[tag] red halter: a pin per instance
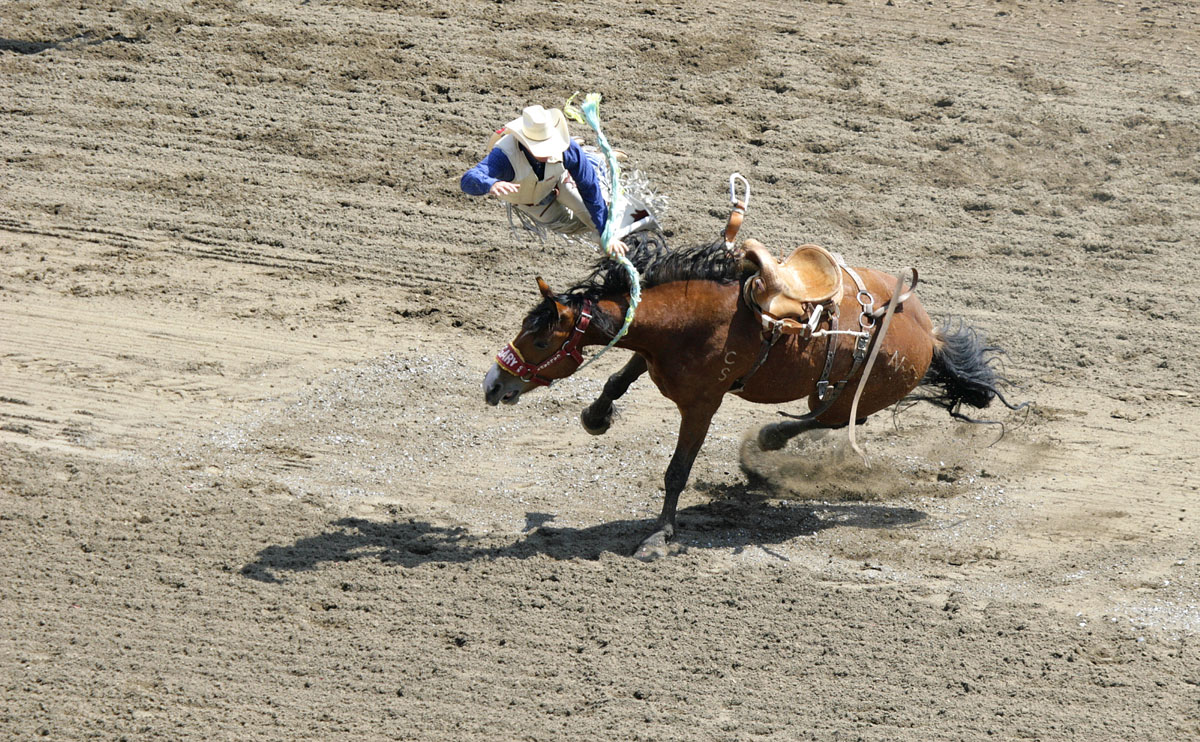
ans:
(509, 358)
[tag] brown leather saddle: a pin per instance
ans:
(787, 292)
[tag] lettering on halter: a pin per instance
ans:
(728, 365)
(509, 358)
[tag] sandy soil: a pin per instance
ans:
(249, 489)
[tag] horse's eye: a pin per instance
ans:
(541, 344)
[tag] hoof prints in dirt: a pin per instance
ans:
(408, 437)
(413, 430)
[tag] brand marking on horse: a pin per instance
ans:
(907, 368)
(729, 357)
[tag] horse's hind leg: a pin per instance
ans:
(597, 416)
(776, 435)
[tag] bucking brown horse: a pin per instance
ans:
(702, 333)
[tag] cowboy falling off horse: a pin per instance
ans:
(552, 184)
(717, 319)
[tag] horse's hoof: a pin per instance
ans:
(593, 426)
(656, 547)
(771, 439)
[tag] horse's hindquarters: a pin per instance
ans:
(903, 358)
(796, 365)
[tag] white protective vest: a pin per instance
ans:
(533, 191)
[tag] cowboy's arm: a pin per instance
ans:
(487, 174)
(588, 184)
(587, 181)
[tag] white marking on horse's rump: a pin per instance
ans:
(902, 364)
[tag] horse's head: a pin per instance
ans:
(547, 348)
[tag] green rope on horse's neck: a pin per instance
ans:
(589, 113)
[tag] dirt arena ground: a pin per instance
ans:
(249, 489)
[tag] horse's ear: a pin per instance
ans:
(564, 319)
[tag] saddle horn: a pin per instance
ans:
(760, 260)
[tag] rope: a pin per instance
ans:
(589, 113)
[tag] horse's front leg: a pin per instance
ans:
(597, 417)
(693, 428)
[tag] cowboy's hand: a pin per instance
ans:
(617, 249)
(503, 188)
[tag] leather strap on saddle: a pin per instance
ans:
(738, 214)
(734, 224)
(788, 293)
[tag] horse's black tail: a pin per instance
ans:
(963, 371)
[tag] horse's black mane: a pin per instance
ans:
(656, 264)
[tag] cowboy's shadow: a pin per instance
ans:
(738, 518)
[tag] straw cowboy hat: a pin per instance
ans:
(543, 132)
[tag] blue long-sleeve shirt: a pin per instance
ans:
(479, 179)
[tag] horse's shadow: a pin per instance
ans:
(738, 517)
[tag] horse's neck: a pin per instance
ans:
(668, 310)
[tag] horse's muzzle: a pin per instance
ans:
(501, 386)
